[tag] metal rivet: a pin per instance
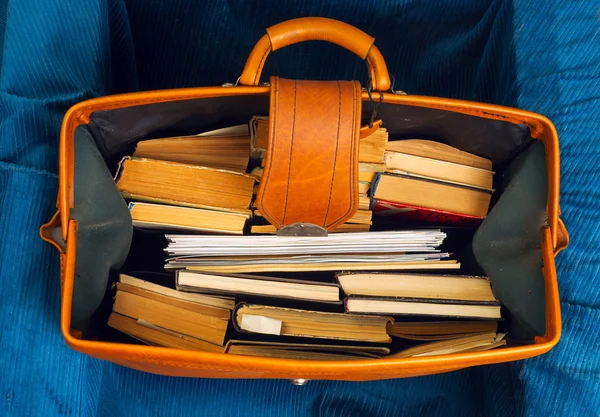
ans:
(299, 381)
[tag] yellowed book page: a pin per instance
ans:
(445, 287)
(447, 346)
(162, 216)
(225, 152)
(270, 352)
(222, 313)
(433, 195)
(395, 307)
(157, 337)
(442, 327)
(208, 328)
(320, 324)
(436, 150)
(184, 184)
(209, 300)
(442, 170)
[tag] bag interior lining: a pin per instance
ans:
(114, 133)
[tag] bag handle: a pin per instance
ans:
(317, 29)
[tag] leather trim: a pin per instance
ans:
(563, 238)
(322, 29)
(46, 232)
(317, 29)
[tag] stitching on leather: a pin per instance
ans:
(352, 205)
(337, 142)
(262, 63)
(287, 186)
(273, 119)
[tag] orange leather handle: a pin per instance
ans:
(317, 29)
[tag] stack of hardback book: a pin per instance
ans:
(192, 183)
(433, 182)
(304, 319)
(163, 316)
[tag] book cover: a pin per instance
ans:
(415, 214)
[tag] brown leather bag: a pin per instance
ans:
(314, 135)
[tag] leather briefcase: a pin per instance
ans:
(515, 245)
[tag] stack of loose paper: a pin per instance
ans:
(410, 249)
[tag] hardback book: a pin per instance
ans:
(182, 316)
(439, 151)
(184, 185)
(156, 336)
(263, 286)
(186, 219)
(219, 302)
(281, 321)
(231, 152)
(422, 215)
(451, 172)
(371, 148)
(422, 307)
(181, 320)
(421, 286)
(431, 194)
(440, 330)
(471, 343)
(307, 351)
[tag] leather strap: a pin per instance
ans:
(317, 29)
(311, 165)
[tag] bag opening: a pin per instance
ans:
(505, 247)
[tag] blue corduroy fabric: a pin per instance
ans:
(543, 56)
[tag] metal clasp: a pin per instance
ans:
(302, 229)
(299, 381)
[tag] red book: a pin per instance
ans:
(415, 214)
